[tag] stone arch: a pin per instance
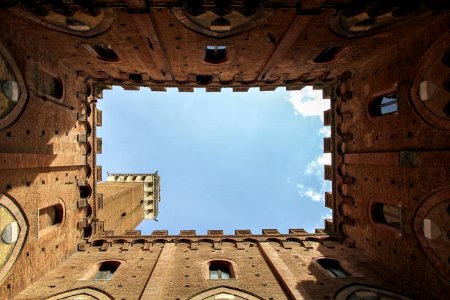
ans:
(352, 289)
(14, 231)
(85, 291)
(220, 27)
(13, 91)
(80, 23)
(349, 22)
(210, 293)
(436, 208)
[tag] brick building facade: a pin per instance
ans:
(386, 68)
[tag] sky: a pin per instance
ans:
(226, 160)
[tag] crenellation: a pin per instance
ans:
(384, 68)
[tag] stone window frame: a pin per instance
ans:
(232, 266)
(89, 47)
(13, 115)
(351, 273)
(45, 231)
(329, 270)
(388, 117)
(57, 77)
(386, 226)
(95, 266)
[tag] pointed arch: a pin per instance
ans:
(241, 294)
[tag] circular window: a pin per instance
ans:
(12, 89)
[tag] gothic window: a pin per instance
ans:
(332, 266)
(216, 54)
(327, 55)
(387, 214)
(106, 270)
(383, 105)
(49, 216)
(103, 52)
(220, 269)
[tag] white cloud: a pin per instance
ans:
(325, 131)
(308, 102)
(315, 167)
(310, 193)
(327, 216)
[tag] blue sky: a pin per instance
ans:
(227, 160)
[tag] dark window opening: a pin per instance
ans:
(51, 215)
(216, 54)
(203, 79)
(49, 85)
(135, 77)
(106, 270)
(333, 267)
(104, 52)
(387, 214)
(220, 270)
(327, 55)
(124, 214)
(85, 191)
(383, 105)
(87, 232)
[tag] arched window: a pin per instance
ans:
(50, 85)
(220, 269)
(106, 270)
(332, 266)
(51, 215)
(216, 54)
(327, 55)
(387, 214)
(383, 105)
(103, 52)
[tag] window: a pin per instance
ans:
(51, 215)
(215, 54)
(387, 214)
(106, 270)
(103, 52)
(49, 85)
(332, 266)
(383, 105)
(220, 270)
(327, 55)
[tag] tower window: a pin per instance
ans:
(327, 55)
(220, 270)
(383, 105)
(333, 267)
(106, 270)
(103, 52)
(387, 214)
(49, 85)
(51, 215)
(216, 54)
